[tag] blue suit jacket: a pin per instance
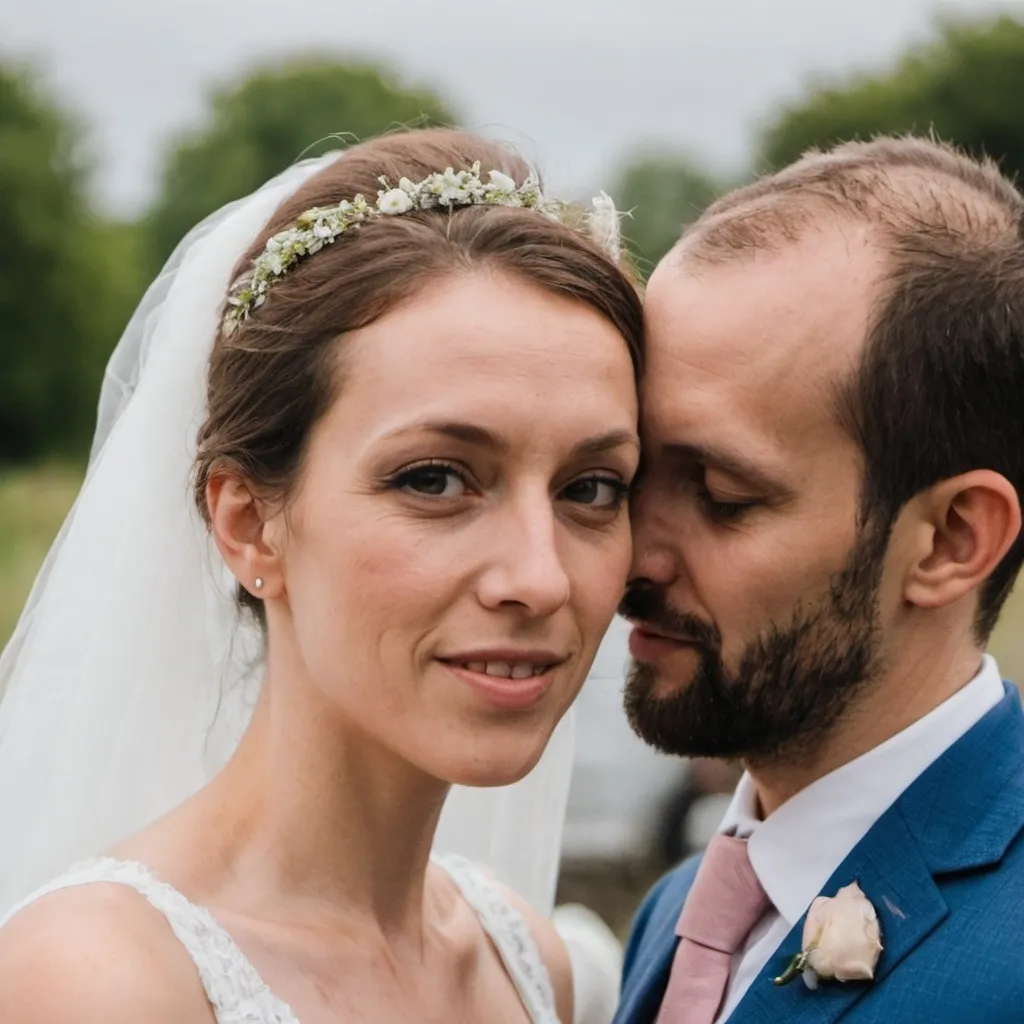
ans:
(944, 867)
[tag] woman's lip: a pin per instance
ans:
(535, 656)
(509, 694)
(645, 646)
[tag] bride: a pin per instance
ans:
(409, 451)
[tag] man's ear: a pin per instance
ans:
(967, 524)
(239, 527)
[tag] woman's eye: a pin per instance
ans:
(596, 491)
(432, 481)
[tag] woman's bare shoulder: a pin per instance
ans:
(96, 954)
(552, 950)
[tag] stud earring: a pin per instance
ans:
(259, 582)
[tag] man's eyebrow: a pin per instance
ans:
(728, 462)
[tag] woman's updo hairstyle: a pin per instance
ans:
(272, 378)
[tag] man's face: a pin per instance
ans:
(759, 600)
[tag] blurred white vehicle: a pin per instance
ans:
(628, 803)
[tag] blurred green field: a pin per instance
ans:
(33, 503)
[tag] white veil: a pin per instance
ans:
(130, 675)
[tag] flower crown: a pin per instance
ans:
(321, 225)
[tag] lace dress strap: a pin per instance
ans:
(510, 934)
(235, 990)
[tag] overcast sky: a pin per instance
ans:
(577, 83)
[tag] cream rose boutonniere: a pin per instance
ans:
(842, 940)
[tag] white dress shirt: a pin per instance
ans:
(796, 850)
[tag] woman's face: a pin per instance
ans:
(460, 539)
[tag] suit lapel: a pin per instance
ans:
(895, 877)
(641, 1000)
(960, 815)
(643, 993)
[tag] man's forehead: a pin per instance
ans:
(772, 326)
(806, 306)
(755, 348)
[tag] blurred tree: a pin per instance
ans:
(259, 127)
(62, 295)
(664, 193)
(967, 84)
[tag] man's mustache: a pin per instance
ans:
(647, 605)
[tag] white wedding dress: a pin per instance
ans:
(144, 689)
(236, 992)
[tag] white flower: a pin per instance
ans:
(394, 201)
(320, 226)
(453, 195)
(501, 182)
(842, 938)
(603, 225)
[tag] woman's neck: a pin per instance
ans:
(314, 812)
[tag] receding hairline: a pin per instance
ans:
(901, 186)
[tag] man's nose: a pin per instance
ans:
(655, 542)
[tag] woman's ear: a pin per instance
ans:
(968, 523)
(239, 526)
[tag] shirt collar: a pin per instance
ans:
(795, 851)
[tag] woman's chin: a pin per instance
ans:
(493, 765)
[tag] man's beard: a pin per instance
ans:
(792, 685)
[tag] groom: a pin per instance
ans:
(828, 526)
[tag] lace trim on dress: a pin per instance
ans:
(511, 936)
(236, 992)
(239, 995)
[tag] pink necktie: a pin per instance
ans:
(724, 903)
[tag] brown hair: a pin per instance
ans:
(270, 381)
(939, 386)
